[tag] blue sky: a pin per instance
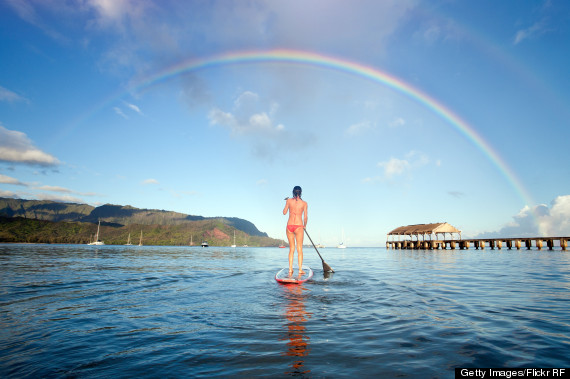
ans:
(232, 139)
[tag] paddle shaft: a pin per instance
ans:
(326, 267)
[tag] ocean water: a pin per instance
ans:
(71, 311)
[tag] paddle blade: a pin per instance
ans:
(326, 267)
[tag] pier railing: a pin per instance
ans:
(493, 243)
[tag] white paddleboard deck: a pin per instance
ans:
(283, 276)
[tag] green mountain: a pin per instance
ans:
(37, 221)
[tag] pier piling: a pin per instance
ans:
(479, 244)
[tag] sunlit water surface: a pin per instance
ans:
(129, 311)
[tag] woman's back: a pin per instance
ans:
(296, 208)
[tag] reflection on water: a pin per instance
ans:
(296, 316)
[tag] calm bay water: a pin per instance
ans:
(119, 311)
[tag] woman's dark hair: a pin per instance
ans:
(297, 191)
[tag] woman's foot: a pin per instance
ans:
(301, 272)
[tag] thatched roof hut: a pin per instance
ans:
(425, 229)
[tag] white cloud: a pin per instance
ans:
(540, 221)
(399, 121)
(394, 166)
(557, 221)
(134, 108)
(10, 97)
(248, 117)
(358, 128)
(9, 180)
(16, 147)
(253, 119)
(150, 181)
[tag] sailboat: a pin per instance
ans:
(320, 245)
(341, 245)
(140, 241)
(129, 241)
(282, 245)
(234, 245)
(96, 241)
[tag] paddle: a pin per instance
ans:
(326, 267)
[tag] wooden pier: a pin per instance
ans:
(431, 239)
(492, 243)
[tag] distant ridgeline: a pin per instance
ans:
(52, 222)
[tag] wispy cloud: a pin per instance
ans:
(10, 96)
(60, 198)
(67, 193)
(9, 194)
(134, 108)
(55, 189)
(397, 122)
(436, 30)
(150, 181)
(16, 147)
(533, 31)
(360, 127)
(131, 107)
(143, 36)
(27, 12)
(120, 112)
(4, 179)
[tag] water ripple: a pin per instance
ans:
(78, 311)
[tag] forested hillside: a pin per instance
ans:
(35, 221)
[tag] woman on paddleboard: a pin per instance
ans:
(296, 224)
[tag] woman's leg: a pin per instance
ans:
(291, 239)
(299, 234)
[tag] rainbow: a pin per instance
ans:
(320, 61)
(353, 68)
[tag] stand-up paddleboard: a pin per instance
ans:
(283, 276)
